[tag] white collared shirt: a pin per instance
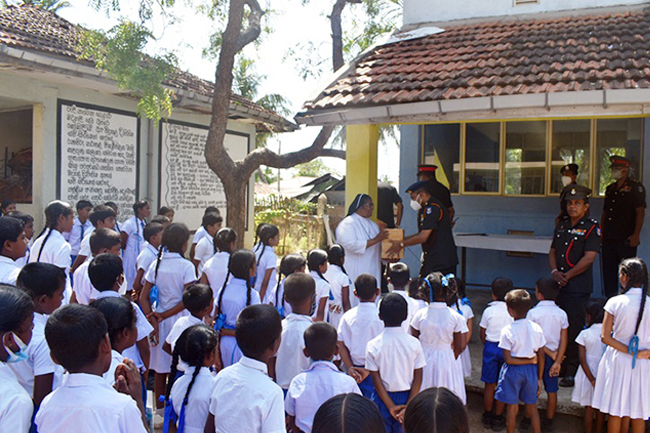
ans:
(116, 359)
(134, 227)
(181, 325)
(16, 406)
(216, 270)
(522, 338)
(322, 291)
(338, 280)
(245, 399)
(310, 389)
(290, 357)
(625, 309)
(56, 251)
(495, 318)
(358, 326)
(200, 233)
(74, 237)
(84, 249)
(203, 251)
(395, 355)
(438, 324)
(552, 319)
(77, 405)
(9, 271)
(147, 256)
(174, 272)
(412, 308)
(83, 288)
(198, 403)
(234, 300)
(269, 260)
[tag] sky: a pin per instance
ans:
(293, 25)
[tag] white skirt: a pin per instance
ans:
(230, 352)
(443, 370)
(129, 261)
(465, 362)
(161, 361)
(583, 391)
(620, 390)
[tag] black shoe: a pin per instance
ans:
(524, 424)
(498, 422)
(486, 419)
(568, 382)
(547, 425)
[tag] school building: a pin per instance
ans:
(68, 132)
(499, 95)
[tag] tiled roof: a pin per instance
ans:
(500, 57)
(33, 29)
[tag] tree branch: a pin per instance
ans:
(333, 153)
(254, 26)
(337, 32)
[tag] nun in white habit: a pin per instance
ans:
(361, 238)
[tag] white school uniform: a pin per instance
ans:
(83, 288)
(39, 361)
(290, 359)
(174, 272)
(16, 406)
(358, 326)
(310, 389)
(583, 391)
(116, 359)
(465, 358)
(147, 256)
(523, 338)
(621, 390)
(322, 291)
(84, 249)
(276, 298)
(181, 325)
(495, 318)
(421, 304)
(88, 404)
(56, 252)
(134, 228)
(552, 319)
(21, 262)
(233, 301)
(198, 403)
(338, 280)
(9, 271)
(412, 308)
(269, 260)
(200, 233)
(437, 326)
(77, 233)
(245, 399)
(395, 355)
(216, 270)
(203, 251)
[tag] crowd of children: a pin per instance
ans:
(90, 308)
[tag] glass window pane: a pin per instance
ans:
(617, 137)
(526, 158)
(482, 151)
(570, 146)
(442, 148)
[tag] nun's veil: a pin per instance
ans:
(358, 201)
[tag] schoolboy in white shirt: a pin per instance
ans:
(400, 278)
(520, 379)
(245, 399)
(102, 216)
(28, 222)
(395, 361)
(205, 247)
(201, 232)
(197, 299)
(555, 324)
(13, 246)
(152, 233)
(358, 326)
(80, 227)
(320, 382)
(495, 318)
(299, 293)
(86, 403)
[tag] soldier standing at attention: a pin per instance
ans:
(622, 220)
(569, 174)
(438, 191)
(576, 243)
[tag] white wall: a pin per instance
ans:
(423, 11)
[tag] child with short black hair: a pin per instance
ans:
(321, 381)
(102, 216)
(555, 324)
(520, 379)
(8, 205)
(13, 246)
(244, 398)
(153, 238)
(215, 269)
(78, 338)
(495, 318)
(358, 326)
(267, 260)
(103, 240)
(339, 282)
(395, 361)
(80, 227)
(132, 234)
(299, 292)
(28, 223)
(436, 410)
(348, 413)
(167, 212)
(399, 276)
(38, 374)
(205, 247)
(317, 264)
(200, 233)
(197, 299)
(290, 264)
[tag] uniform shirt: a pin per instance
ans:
(216, 270)
(337, 280)
(309, 390)
(438, 324)
(147, 256)
(522, 338)
(322, 291)
(570, 245)
(39, 361)
(439, 248)
(200, 233)
(134, 227)
(234, 300)
(620, 209)
(88, 404)
(116, 359)
(9, 271)
(625, 309)
(56, 252)
(412, 308)
(174, 272)
(594, 347)
(552, 319)
(77, 233)
(179, 327)
(358, 326)
(204, 250)
(387, 196)
(197, 408)
(441, 193)
(290, 359)
(16, 406)
(83, 288)
(268, 261)
(276, 298)
(494, 319)
(245, 399)
(395, 355)
(84, 249)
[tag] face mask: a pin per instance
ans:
(617, 174)
(21, 355)
(566, 180)
(415, 205)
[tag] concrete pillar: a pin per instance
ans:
(361, 162)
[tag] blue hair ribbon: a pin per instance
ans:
(633, 349)
(465, 301)
(154, 297)
(219, 322)
(170, 415)
(430, 289)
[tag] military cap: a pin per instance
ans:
(576, 192)
(427, 168)
(417, 186)
(617, 160)
(573, 168)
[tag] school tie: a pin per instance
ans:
(82, 230)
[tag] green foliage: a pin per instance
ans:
(268, 175)
(48, 5)
(314, 168)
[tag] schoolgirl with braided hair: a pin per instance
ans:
(317, 264)
(623, 378)
(267, 260)
(236, 294)
(132, 234)
(216, 268)
(190, 394)
(459, 302)
(339, 283)
(291, 263)
(161, 298)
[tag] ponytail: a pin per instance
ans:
(266, 232)
(53, 211)
(158, 260)
(223, 290)
(200, 341)
(637, 273)
(288, 265)
(315, 259)
(336, 256)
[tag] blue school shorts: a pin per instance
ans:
(492, 362)
(551, 384)
(399, 398)
(367, 388)
(517, 383)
